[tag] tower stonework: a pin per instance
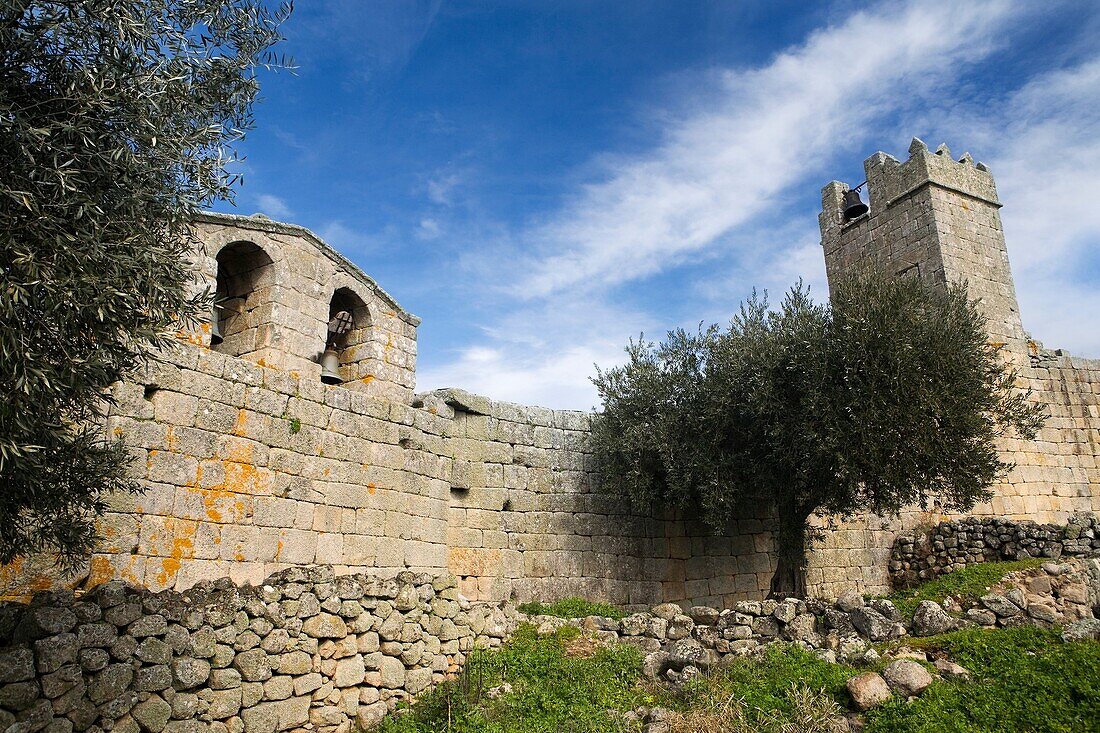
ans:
(930, 217)
(938, 219)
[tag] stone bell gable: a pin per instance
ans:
(277, 285)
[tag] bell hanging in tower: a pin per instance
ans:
(853, 205)
(330, 367)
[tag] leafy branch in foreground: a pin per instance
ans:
(117, 119)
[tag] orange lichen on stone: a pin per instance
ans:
(244, 478)
(367, 379)
(371, 488)
(238, 426)
(195, 338)
(183, 548)
(101, 571)
(239, 452)
(171, 439)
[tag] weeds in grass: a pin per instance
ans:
(717, 710)
(1024, 680)
(553, 690)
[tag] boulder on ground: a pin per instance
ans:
(907, 677)
(930, 619)
(1082, 629)
(868, 690)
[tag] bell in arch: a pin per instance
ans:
(330, 367)
(215, 325)
(853, 205)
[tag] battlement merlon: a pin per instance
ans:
(889, 180)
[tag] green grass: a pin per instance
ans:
(968, 583)
(763, 686)
(1025, 680)
(552, 690)
(572, 608)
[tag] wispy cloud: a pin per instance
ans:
(757, 132)
(746, 141)
(1045, 156)
(381, 35)
(441, 186)
(274, 207)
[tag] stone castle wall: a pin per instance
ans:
(252, 465)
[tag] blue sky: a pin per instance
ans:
(540, 181)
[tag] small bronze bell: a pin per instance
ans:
(330, 367)
(215, 325)
(853, 206)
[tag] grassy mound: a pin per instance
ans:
(968, 583)
(1024, 679)
(560, 682)
(572, 608)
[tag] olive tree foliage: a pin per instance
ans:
(117, 119)
(887, 397)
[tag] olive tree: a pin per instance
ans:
(889, 396)
(117, 120)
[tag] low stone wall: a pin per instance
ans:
(305, 651)
(921, 555)
(680, 644)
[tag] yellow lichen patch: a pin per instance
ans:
(169, 567)
(238, 426)
(367, 379)
(101, 571)
(198, 479)
(278, 549)
(195, 338)
(118, 432)
(171, 439)
(220, 505)
(473, 561)
(244, 478)
(371, 488)
(239, 452)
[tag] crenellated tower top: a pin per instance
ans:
(930, 217)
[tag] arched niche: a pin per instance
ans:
(245, 291)
(350, 346)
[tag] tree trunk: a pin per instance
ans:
(789, 580)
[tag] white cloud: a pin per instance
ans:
(1045, 159)
(543, 354)
(429, 229)
(761, 131)
(744, 144)
(274, 207)
(346, 239)
(441, 186)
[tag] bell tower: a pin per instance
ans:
(930, 217)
